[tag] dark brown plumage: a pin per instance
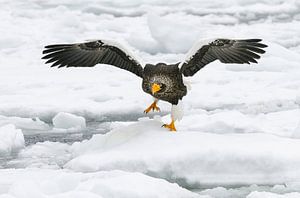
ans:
(162, 81)
(225, 50)
(89, 54)
(170, 80)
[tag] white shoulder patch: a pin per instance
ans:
(194, 49)
(126, 48)
(188, 84)
(177, 111)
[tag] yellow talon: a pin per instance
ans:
(152, 107)
(170, 126)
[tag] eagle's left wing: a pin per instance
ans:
(225, 50)
(91, 53)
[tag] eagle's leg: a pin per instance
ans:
(152, 107)
(176, 114)
(170, 126)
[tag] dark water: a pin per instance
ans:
(59, 137)
(39, 136)
(99, 126)
(69, 138)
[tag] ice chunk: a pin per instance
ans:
(24, 123)
(261, 191)
(273, 195)
(189, 157)
(105, 184)
(67, 120)
(50, 155)
(11, 139)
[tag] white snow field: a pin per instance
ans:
(37, 183)
(191, 158)
(81, 132)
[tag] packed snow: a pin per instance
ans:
(106, 184)
(81, 131)
(191, 158)
(272, 195)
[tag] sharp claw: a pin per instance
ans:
(170, 126)
(152, 107)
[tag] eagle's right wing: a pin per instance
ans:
(225, 50)
(89, 54)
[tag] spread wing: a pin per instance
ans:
(89, 54)
(225, 50)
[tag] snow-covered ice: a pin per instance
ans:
(273, 195)
(240, 133)
(191, 158)
(277, 191)
(37, 183)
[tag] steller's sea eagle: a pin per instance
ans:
(162, 81)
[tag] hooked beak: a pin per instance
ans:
(155, 88)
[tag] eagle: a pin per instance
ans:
(162, 81)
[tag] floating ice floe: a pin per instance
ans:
(191, 158)
(24, 123)
(273, 195)
(68, 121)
(44, 155)
(259, 191)
(11, 140)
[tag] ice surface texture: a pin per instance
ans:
(191, 158)
(106, 184)
(241, 122)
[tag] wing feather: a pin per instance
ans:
(226, 50)
(90, 53)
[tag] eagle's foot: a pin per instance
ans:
(152, 107)
(170, 126)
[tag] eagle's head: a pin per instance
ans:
(158, 78)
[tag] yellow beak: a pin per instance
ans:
(155, 88)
